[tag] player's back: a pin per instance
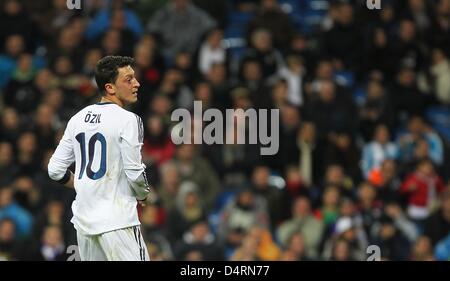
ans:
(104, 200)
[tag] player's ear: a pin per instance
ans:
(109, 88)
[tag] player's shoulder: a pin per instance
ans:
(129, 116)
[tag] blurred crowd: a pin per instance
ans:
(360, 161)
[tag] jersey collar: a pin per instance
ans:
(103, 103)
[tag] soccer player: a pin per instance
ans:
(104, 140)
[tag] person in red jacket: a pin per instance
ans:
(422, 188)
(158, 147)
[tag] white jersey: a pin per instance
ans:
(105, 142)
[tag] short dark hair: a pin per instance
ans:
(107, 71)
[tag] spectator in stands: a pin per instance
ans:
(343, 152)
(323, 70)
(19, 90)
(346, 235)
(10, 209)
(68, 43)
(437, 225)
(387, 181)
(16, 17)
(234, 162)
(8, 239)
(328, 211)
(407, 98)
(51, 246)
(27, 194)
(290, 121)
(295, 187)
(377, 108)
(261, 186)
(44, 129)
(158, 147)
(251, 77)
(309, 154)
(8, 170)
(267, 249)
(11, 125)
(184, 63)
(27, 153)
(379, 55)
(334, 175)
(212, 51)
(440, 27)
(271, 17)
(53, 213)
(181, 26)
(50, 17)
(407, 48)
(442, 249)
(161, 105)
(239, 215)
(158, 250)
(112, 15)
(13, 48)
(302, 220)
(417, 129)
(422, 188)
(440, 76)
(262, 49)
(421, 152)
(345, 35)
(111, 43)
(341, 251)
(203, 93)
(296, 247)
(246, 251)
(368, 206)
(189, 208)
(278, 94)
(153, 218)
(119, 23)
(379, 149)
(192, 167)
(218, 79)
(391, 240)
(331, 110)
(200, 239)
(422, 250)
(294, 73)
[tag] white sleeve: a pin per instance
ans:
(132, 138)
(62, 158)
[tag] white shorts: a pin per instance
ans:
(125, 244)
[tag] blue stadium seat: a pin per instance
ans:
(239, 17)
(439, 116)
(359, 95)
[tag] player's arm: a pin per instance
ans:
(62, 158)
(132, 137)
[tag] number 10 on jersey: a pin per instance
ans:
(81, 138)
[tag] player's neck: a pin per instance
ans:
(113, 100)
